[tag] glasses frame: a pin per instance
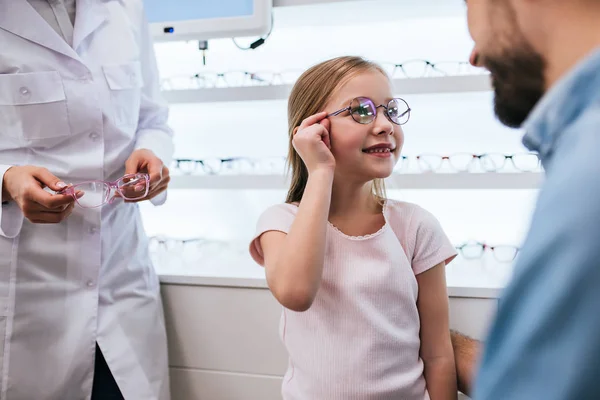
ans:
(435, 67)
(349, 108)
(448, 158)
(113, 187)
(400, 66)
(476, 158)
(206, 166)
(510, 157)
(484, 247)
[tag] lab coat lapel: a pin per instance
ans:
(90, 15)
(19, 18)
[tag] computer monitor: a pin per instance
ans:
(207, 19)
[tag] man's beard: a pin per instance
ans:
(518, 81)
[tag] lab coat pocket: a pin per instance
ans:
(33, 107)
(125, 82)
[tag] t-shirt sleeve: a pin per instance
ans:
(276, 218)
(431, 246)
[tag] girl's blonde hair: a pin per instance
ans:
(310, 94)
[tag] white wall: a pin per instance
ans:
(306, 35)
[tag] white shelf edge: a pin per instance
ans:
(219, 281)
(529, 180)
(519, 180)
(261, 283)
(446, 84)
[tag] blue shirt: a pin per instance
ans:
(545, 342)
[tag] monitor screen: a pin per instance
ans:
(207, 19)
(186, 10)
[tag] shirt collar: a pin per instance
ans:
(561, 104)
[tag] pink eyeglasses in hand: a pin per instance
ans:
(93, 194)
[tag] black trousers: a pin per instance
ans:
(105, 387)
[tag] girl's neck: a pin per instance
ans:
(349, 199)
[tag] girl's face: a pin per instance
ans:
(369, 151)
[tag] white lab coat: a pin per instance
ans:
(80, 112)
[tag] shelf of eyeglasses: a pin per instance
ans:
(480, 270)
(483, 278)
(205, 263)
(464, 180)
(190, 253)
(404, 86)
(425, 163)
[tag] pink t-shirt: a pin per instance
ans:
(360, 338)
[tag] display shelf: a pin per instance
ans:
(529, 180)
(445, 84)
(462, 280)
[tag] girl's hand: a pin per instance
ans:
(312, 142)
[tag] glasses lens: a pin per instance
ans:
(208, 80)
(492, 162)
(461, 162)
(429, 162)
(205, 80)
(402, 164)
(454, 68)
(236, 78)
(398, 111)
(392, 70)
(179, 83)
(415, 69)
(186, 166)
(212, 166)
(245, 166)
(363, 110)
(271, 165)
(505, 253)
(93, 194)
(472, 250)
(230, 166)
(264, 78)
(526, 161)
(134, 186)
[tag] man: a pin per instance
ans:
(466, 356)
(80, 310)
(544, 57)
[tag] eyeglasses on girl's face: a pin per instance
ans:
(364, 111)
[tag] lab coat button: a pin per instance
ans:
(24, 91)
(94, 136)
(90, 284)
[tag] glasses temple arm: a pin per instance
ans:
(338, 112)
(404, 113)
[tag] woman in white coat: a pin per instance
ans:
(80, 309)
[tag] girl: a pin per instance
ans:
(361, 278)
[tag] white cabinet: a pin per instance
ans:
(223, 329)
(224, 342)
(472, 316)
(194, 384)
